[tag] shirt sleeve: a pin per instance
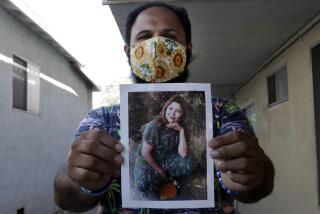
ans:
(94, 119)
(150, 133)
(229, 117)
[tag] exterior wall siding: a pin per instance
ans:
(32, 147)
(286, 131)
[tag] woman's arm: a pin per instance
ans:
(147, 155)
(183, 147)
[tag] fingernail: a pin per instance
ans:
(214, 154)
(214, 142)
(119, 159)
(119, 147)
(218, 163)
(210, 142)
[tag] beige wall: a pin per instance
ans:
(286, 131)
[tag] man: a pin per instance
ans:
(93, 167)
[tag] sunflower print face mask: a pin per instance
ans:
(158, 59)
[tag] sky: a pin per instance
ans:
(88, 31)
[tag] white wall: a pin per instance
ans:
(33, 146)
(286, 131)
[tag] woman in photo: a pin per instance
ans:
(163, 154)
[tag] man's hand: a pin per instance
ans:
(240, 160)
(94, 158)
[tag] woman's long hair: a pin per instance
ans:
(184, 107)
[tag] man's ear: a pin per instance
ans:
(189, 47)
(126, 49)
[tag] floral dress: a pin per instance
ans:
(165, 144)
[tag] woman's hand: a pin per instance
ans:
(162, 173)
(183, 147)
(175, 126)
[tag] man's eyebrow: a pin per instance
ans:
(162, 31)
(143, 32)
(170, 30)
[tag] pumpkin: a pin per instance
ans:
(168, 191)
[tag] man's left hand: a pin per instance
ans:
(240, 160)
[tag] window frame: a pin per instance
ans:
(29, 62)
(245, 111)
(279, 69)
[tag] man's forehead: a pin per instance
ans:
(157, 18)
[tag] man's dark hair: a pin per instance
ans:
(180, 12)
(183, 17)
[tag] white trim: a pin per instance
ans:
(127, 201)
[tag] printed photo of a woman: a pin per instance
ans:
(167, 146)
(163, 155)
(165, 129)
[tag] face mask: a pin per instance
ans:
(158, 59)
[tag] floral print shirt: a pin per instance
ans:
(227, 117)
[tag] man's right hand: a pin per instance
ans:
(94, 159)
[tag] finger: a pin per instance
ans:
(118, 160)
(81, 175)
(229, 138)
(250, 180)
(93, 164)
(101, 136)
(239, 164)
(108, 141)
(238, 149)
(96, 149)
(234, 185)
(119, 147)
(170, 125)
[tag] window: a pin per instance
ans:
(19, 83)
(25, 85)
(278, 87)
(20, 211)
(250, 112)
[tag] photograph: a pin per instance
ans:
(165, 129)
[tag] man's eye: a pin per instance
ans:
(143, 37)
(170, 36)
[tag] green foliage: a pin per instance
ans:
(110, 94)
(114, 187)
(231, 107)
